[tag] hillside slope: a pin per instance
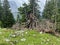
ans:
(26, 37)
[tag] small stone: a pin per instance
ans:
(13, 35)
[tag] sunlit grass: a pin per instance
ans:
(27, 37)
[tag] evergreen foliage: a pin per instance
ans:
(52, 12)
(7, 17)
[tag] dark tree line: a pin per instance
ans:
(30, 14)
(7, 18)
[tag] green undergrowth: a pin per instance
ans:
(26, 37)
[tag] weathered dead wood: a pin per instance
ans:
(16, 26)
(32, 21)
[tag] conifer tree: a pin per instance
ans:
(49, 10)
(7, 19)
(1, 10)
(52, 12)
(1, 13)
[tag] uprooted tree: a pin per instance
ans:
(30, 13)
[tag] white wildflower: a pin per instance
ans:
(23, 39)
(7, 40)
(26, 32)
(41, 32)
(48, 40)
(17, 33)
(13, 35)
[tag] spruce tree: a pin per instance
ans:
(1, 10)
(1, 13)
(58, 15)
(7, 19)
(49, 10)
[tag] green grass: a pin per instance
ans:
(27, 37)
